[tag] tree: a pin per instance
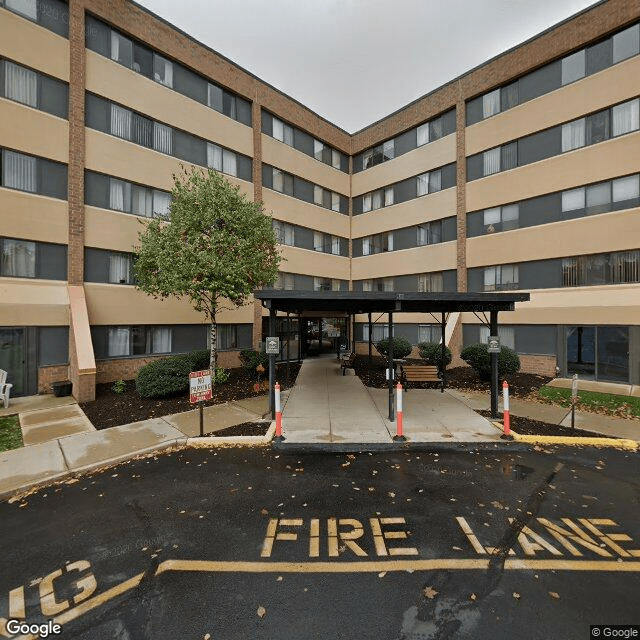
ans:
(218, 246)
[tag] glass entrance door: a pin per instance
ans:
(12, 358)
(598, 353)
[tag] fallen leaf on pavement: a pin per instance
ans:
(264, 512)
(262, 612)
(516, 595)
(553, 594)
(207, 636)
(429, 592)
(473, 596)
(382, 574)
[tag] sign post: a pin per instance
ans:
(574, 399)
(199, 391)
(272, 347)
(493, 347)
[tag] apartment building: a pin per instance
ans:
(521, 174)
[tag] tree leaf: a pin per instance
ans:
(429, 592)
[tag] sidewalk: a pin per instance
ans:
(81, 447)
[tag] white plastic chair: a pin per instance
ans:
(5, 388)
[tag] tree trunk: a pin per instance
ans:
(213, 359)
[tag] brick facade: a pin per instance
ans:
(542, 365)
(47, 375)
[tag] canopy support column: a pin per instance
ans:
(390, 368)
(272, 365)
(370, 331)
(493, 331)
(443, 362)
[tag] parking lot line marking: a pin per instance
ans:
(225, 566)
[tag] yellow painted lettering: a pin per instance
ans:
(48, 603)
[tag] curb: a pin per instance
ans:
(232, 441)
(575, 441)
(393, 447)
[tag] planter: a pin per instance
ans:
(62, 389)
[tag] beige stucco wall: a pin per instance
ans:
(129, 161)
(616, 157)
(112, 230)
(32, 131)
(598, 91)
(33, 46)
(115, 82)
(284, 157)
(429, 156)
(430, 207)
(435, 257)
(28, 302)
(557, 240)
(314, 263)
(33, 217)
(290, 209)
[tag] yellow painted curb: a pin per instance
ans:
(592, 441)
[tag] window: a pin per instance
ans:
(491, 103)
(509, 96)
(142, 130)
(162, 70)
(318, 148)
(429, 233)
(159, 340)
(282, 182)
(335, 245)
(335, 159)
(388, 150)
(366, 202)
(388, 196)
(118, 341)
(215, 97)
(505, 334)
(429, 333)
(573, 135)
(598, 127)
(285, 281)
(376, 199)
(161, 204)
(626, 188)
(501, 277)
(607, 268)
(573, 199)
(282, 132)
(387, 284)
(120, 122)
(317, 195)
(501, 218)
(27, 8)
(335, 201)
(378, 332)
(435, 181)
(121, 49)
(230, 163)
(573, 67)
(20, 84)
(223, 160)
(214, 156)
(322, 284)
(422, 184)
(227, 337)
(422, 134)
(509, 156)
(119, 268)
(430, 282)
(141, 201)
(626, 43)
(599, 197)
(162, 138)
(119, 195)
(18, 258)
(19, 171)
(569, 272)
(625, 267)
(625, 117)
(285, 233)
(491, 161)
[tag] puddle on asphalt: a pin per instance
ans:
(516, 471)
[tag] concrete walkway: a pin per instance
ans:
(327, 407)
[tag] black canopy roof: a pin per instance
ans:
(384, 301)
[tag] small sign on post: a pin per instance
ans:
(273, 346)
(200, 390)
(493, 345)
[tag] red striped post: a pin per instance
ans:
(278, 412)
(505, 414)
(399, 435)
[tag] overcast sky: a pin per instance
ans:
(356, 61)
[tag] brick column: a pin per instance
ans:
(76, 143)
(461, 187)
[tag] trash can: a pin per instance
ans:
(62, 389)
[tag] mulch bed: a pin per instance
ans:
(111, 409)
(244, 429)
(530, 427)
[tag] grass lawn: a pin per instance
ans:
(10, 433)
(593, 401)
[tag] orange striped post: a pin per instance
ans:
(399, 435)
(279, 435)
(505, 413)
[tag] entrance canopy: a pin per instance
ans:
(356, 302)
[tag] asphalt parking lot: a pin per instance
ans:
(251, 543)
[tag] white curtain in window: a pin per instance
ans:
(435, 181)
(335, 159)
(335, 284)
(390, 241)
(278, 129)
(335, 201)
(387, 284)
(376, 199)
(423, 234)
(367, 285)
(335, 245)
(569, 272)
(288, 135)
(598, 194)
(367, 159)
(317, 149)
(626, 188)
(491, 216)
(424, 333)
(423, 134)
(489, 278)
(19, 171)
(162, 138)
(509, 275)
(510, 216)
(573, 199)
(229, 163)
(161, 341)
(491, 103)
(506, 335)
(214, 97)
(367, 245)
(120, 122)
(20, 84)
(119, 268)
(626, 117)
(317, 195)
(388, 150)
(115, 46)
(141, 201)
(118, 193)
(388, 196)
(289, 281)
(573, 135)
(317, 283)
(423, 184)
(28, 8)
(278, 180)
(161, 204)
(162, 70)
(366, 202)
(214, 156)
(491, 161)
(18, 258)
(278, 228)
(289, 234)
(118, 341)
(318, 241)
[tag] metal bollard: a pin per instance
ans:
(505, 414)
(279, 435)
(399, 435)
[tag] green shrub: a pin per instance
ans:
(401, 347)
(119, 386)
(478, 357)
(221, 376)
(251, 358)
(432, 353)
(170, 376)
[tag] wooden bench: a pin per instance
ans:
(419, 373)
(348, 363)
